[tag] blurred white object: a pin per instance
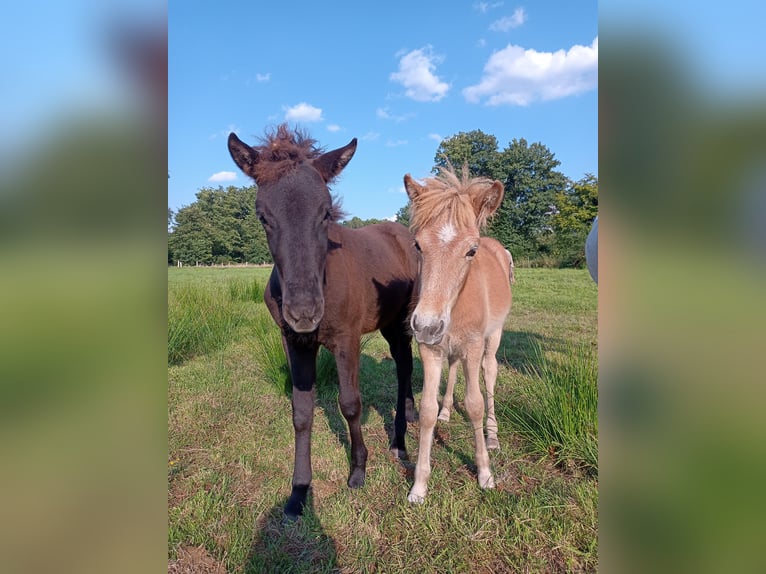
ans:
(591, 250)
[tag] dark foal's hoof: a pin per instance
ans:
(295, 504)
(409, 411)
(356, 480)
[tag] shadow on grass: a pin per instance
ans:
(298, 546)
(517, 348)
(378, 387)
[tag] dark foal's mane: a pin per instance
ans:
(281, 151)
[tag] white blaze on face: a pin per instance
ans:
(447, 233)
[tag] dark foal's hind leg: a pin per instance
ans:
(302, 361)
(400, 344)
(350, 400)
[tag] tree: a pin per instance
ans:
(576, 208)
(403, 215)
(356, 222)
(475, 149)
(523, 221)
(219, 227)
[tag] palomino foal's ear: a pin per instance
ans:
(412, 187)
(330, 164)
(487, 202)
(243, 155)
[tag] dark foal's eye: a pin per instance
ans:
(262, 219)
(471, 252)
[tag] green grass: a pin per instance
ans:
(556, 408)
(231, 447)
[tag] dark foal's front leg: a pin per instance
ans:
(302, 361)
(400, 345)
(350, 399)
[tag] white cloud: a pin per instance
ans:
(263, 77)
(507, 22)
(416, 74)
(223, 176)
(385, 114)
(483, 7)
(333, 128)
(435, 137)
(516, 76)
(303, 112)
(395, 143)
(370, 136)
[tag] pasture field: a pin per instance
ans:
(230, 444)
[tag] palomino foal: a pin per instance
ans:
(465, 297)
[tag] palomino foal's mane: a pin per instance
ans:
(447, 198)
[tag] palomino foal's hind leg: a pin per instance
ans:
(449, 393)
(489, 365)
(429, 407)
(474, 404)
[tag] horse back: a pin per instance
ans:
(371, 272)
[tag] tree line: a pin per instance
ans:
(544, 217)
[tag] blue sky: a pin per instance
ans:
(399, 76)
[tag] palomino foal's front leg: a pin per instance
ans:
(302, 361)
(429, 407)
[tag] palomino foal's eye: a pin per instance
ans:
(471, 252)
(417, 247)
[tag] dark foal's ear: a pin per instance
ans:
(243, 155)
(486, 202)
(412, 187)
(330, 164)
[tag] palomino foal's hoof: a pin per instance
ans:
(493, 443)
(487, 483)
(416, 498)
(444, 415)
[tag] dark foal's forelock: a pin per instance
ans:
(281, 152)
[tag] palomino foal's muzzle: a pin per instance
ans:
(428, 330)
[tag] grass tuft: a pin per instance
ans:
(199, 321)
(246, 290)
(556, 407)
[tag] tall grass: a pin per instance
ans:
(270, 354)
(556, 408)
(246, 290)
(204, 319)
